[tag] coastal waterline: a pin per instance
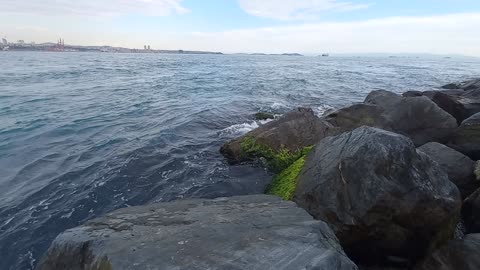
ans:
(82, 134)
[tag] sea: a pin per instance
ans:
(82, 134)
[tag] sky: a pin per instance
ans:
(269, 26)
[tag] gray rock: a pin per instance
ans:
(382, 197)
(416, 117)
(293, 131)
(358, 115)
(471, 213)
(251, 232)
(383, 98)
(460, 168)
(458, 254)
(467, 137)
(452, 86)
(471, 85)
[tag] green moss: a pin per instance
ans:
(277, 161)
(264, 116)
(285, 183)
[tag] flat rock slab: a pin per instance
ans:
(249, 232)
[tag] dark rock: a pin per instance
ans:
(471, 101)
(452, 86)
(416, 117)
(292, 132)
(264, 116)
(471, 213)
(451, 106)
(467, 137)
(251, 232)
(458, 254)
(448, 102)
(383, 98)
(413, 94)
(383, 198)
(471, 85)
(460, 168)
(358, 115)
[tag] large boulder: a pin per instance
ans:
(471, 100)
(383, 198)
(451, 106)
(459, 254)
(289, 135)
(467, 137)
(447, 100)
(357, 115)
(251, 232)
(460, 168)
(416, 117)
(471, 213)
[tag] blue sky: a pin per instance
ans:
(306, 26)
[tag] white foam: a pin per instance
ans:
(240, 129)
(278, 106)
(320, 110)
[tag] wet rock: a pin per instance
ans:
(264, 116)
(452, 86)
(467, 137)
(458, 254)
(251, 232)
(288, 135)
(460, 168)
(416, 117)
(471, 213)
(383, 198)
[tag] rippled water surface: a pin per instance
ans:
(82, 134)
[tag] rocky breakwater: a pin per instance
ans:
(381, 184)
(388, 174)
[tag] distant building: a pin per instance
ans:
(148, 47)
(21, 42)
(4, 41)
(144, 47)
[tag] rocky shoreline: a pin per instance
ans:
(390, 183)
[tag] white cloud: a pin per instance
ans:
(294, 9)
(443, 34)
(93, 7)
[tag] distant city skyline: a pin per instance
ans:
(234, 26)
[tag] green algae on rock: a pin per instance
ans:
(285, 183)
(277, 161)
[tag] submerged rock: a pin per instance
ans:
(383, 198)
(460, 168)
(416, 117)
(264, 116)
(467, 137)
(280, 142)
(461, 254)
(251, 232)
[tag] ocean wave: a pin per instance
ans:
(243, 128)
(322, 109)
